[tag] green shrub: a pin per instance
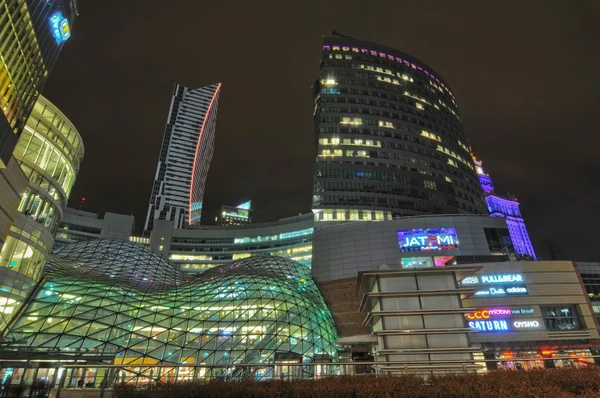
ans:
(552, 383)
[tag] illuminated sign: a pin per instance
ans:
(59, 26)
(487, 313)
(502, 291)
(500, 325)
(418, 240)
(489, 326)
(502, 278)
(492, 279)
(526, 324)
(471, 280)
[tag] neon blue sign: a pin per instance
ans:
(489, 326)
(502, 291)
(417, 240)
(59, 26)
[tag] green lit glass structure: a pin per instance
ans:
(122, 300)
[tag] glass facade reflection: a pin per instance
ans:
(120, 299)
(49, 152)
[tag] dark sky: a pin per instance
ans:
(525, 75)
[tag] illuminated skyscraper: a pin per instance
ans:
(185, 157)
(32, 33)
(389, 138)
(508, 208)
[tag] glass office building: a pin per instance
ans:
(389, 138)
(120, 300)
(49, 152)
(32, 33)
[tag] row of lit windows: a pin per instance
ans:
(396, 104)
(456, 156)
(391, 58)
(431, 136)
(385, 79)
(352, 215)
(348, 141)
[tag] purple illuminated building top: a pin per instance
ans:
(507, 207)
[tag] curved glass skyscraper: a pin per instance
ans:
(185, 157)
(389, 138)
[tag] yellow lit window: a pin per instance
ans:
(419, 106)
(431, 136)
(335, 141)
(358, 142)
(338, 152)
(325, 152)
(354, 121)
(328, 82)
(448, 179)
(388, 125)
(362, 154)
(323, 141)
(349, 153)
(347, 141)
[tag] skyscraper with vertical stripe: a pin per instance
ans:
(185, 157)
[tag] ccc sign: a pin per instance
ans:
(481, 314)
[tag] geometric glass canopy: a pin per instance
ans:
(120, 299)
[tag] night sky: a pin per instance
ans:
(525, 75)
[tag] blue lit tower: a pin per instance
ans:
(185, 157)
(507, 207)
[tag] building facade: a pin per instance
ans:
(508, 208)
(342, 251)
(235, 215)
(49, 152)
(79, 225)
(389, 138)
(531, 315)
(201, 248)
(33, 33)
(185, 156)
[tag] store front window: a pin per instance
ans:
(561, 317)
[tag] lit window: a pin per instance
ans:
(388, 125)
(362, 154)
(338, 152)
(336, 48)
(349, 153)
(354, 121)
(431, 136)
(347, 141)
(448, 179)
(419, 106)
(328, 82)
(335, 141)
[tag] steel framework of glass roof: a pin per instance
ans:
(119, 298)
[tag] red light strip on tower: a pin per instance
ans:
(198, 149)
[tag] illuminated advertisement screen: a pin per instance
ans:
(420, 240)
